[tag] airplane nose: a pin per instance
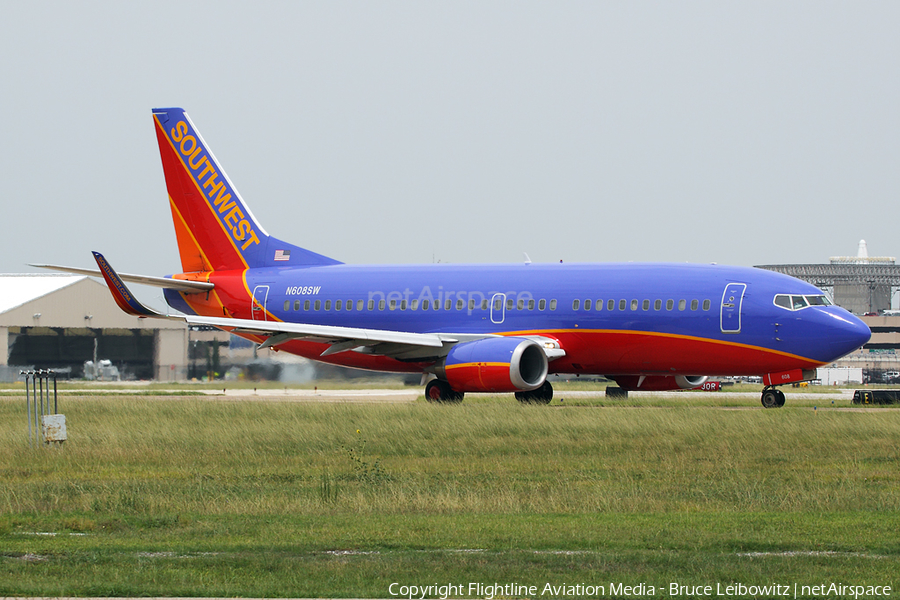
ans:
(848, 333)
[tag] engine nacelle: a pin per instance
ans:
(501, 364)
(659, 383)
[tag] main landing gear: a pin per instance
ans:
(772, 398)
(439, 390)
(542, 395)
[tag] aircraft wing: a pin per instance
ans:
(341, 339)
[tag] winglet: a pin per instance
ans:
(121, 294)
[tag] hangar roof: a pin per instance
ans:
(828, 275)
(66, 301)
(19, 289)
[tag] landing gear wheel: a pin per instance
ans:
(542, 395)
(439, 390)
(772, 398)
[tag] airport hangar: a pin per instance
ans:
(60, 321)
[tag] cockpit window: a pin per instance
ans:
(800, 302)
(818, 301)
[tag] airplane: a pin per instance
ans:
(477, 328)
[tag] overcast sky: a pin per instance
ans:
(384, 132)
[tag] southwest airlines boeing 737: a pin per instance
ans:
(478, 328)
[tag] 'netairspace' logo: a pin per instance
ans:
(490, 591)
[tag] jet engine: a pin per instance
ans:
(500, 364)
(659, 383)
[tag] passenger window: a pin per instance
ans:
(459, 304)
(634, 304)
(611, 305)
(338, 305)
(645, 305)
(622, 304)
(509, 304)
(306, 305)
(553, 305)
(287, 305)
(599, 304)
(587, 305)
(682, 304)
(371, 305)
(471, 303)
(359, 305)
(393, 305)
(448, 304)
(695, 304)
(403, 304)
(328, 305)
(575, 304)
(657, 305)
(706, 305)
(531, 304)
(414, 305)
(426, 304)
(349, 305)
(318, 304)
(296, 305)
(520, 305)
(381, 305)
(542, 304)
(670, 304)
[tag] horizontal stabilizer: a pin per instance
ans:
(180, 285)
(340, 338)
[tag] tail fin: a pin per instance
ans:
(213, 225)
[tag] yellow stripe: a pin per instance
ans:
(190, 233)
(477, 364)
(200, 189)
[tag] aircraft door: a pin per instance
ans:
(258, 304)
(730, 314)
(498, 308)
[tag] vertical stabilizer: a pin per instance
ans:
(213, 225)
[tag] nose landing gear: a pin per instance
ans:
(772, 397)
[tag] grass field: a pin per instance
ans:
(182, 495)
